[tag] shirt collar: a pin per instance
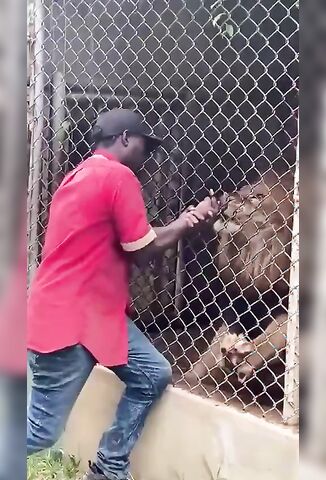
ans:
(104, 153)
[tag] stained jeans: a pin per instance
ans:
(58, 378)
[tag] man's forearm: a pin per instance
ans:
(169, 235)
(166, 237)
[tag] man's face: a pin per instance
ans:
(135, 152)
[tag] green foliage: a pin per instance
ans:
(52, 466)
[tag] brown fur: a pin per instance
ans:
(255, 238)
(253, 258)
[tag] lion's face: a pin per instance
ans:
(267, 201)
(248, 203)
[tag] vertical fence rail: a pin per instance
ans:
(291, 389)
(37, 103)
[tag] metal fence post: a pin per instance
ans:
(37, 100)
(291, 385)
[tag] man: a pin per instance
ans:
(79, 296)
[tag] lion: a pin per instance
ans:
(253, 249)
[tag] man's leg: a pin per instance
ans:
(146, 376)
(58, 378)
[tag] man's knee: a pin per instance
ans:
(162, 376)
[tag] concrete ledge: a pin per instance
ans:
(185, 438)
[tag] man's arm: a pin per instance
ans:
(166, 237)
(137, 238)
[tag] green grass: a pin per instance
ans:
(52, 466)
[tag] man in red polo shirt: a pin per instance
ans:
(79, 295)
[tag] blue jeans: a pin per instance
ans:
(58, 378)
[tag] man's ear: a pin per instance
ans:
(125, 138)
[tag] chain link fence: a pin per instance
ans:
(218, 81)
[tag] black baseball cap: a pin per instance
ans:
(115, 122)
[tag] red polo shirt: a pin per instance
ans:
(79, 294)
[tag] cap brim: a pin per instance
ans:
(153, 142)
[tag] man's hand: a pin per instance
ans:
(205, 211)
(193, 218)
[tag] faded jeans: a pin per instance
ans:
(58, 378)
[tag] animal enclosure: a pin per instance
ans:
(218, 80)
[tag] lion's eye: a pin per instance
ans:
(257, 196)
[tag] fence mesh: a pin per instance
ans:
(218, 81)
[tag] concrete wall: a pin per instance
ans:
(311, 470)
(185, 438)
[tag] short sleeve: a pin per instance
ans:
(129, 214)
